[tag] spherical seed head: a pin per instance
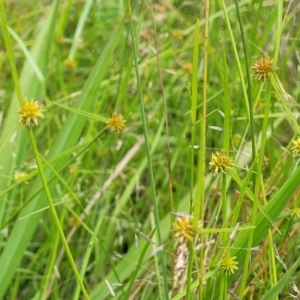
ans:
(29, 112)
(73, 222)
(295, 212)
(73, 169)
(228, 264)
(69, 64)
(220, 162)
(116, 123)
(60, 40)
(296, 147)
(188, 68)
(263, 68)
(19, 175)
(183, 228)
(178, 34)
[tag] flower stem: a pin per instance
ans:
(10, 51)
(143, 115)
(54, 214)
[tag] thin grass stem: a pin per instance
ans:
(279, 30)
(249, 87)
(258, 188)
(54, 214)
(151, 174)
(200, 192)
(10, 51)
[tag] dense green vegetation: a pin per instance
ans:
(195, 196)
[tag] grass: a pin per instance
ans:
(141, 213)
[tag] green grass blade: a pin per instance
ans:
(30, 59)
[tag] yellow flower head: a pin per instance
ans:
(263, 68)
(295, 212)
(69, 64)
(178, 34)
(228, 264)
(116, 123)
(19, 175)
(73, 222)
(60, 40)
(220, 162)
(183, 227)
(188, 68)
(29, 112)
(296, 147)
(73, 169)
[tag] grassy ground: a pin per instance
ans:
(197, 197)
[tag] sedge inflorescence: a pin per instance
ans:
(263, 68)
(19, 175)
(220, 162)
(29, 112)
(177, 33)
(295, 212)
(184, 229)
(69, 64)
(228, 264)
(296, 147)
(116, 123)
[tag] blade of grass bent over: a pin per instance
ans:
(40, 76)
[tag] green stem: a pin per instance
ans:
(227, 109)
(83, 17)
(225, 234)
(200, 193)
(51, 264)
(249, 90)
(224, 208)
(194, 97)
(143, 115)
(189, 271)
(284, 99)
(223, 287)
(258, 189)
(278, 31)
(10, 51)
(54, 214)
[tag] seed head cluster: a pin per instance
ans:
(69, 64)
(116, 123)
(228, 264)
(263, 68)
(295, 212)
(19, 175)
(184, 229)
(220, 162)
(29, 112)
(296, 147)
